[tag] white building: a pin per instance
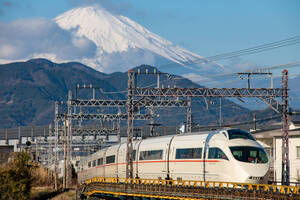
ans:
(294, 155)
(272, 142)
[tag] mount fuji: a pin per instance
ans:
(122, 43)
(97, 38)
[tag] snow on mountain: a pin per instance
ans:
(121, 43)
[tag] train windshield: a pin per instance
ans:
(249, 154)
(237, 133)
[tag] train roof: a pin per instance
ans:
(199, 133)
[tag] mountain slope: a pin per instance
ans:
(201, 114)
(30, 89)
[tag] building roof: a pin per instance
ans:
(271, 133)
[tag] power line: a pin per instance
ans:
(259, 48)
(286, 66)
(256, 49)
(206, 77)
(247, 51)
(242, 123)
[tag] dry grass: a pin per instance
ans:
(70, 195)
(36, 192)
(41, 177)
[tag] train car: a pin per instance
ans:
(230, 155)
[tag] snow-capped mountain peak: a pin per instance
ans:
(119, 37)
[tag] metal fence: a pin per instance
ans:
(43, 131)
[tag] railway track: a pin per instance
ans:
(121, 188)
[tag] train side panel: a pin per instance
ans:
(82, 175)
(110, 169)
(121, 167)
(100, 163)
(152, 158)
(182, 157)
(186, 151)
(218, 163)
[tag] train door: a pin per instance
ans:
(122, 161)
(135, 158)
(186, 162)
(186, 158)
(152, 159)
(165, 173)
(215, 165)
(100, 166)
(117, 160)
(104, 161)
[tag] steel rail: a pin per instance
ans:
(283, 189)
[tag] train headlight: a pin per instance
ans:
(256, 178)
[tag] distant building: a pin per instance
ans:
(294, 155)
(5, 152)
(271, 140)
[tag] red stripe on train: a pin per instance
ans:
(153, 161)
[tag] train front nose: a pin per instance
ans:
(255, 173)
(252, 162)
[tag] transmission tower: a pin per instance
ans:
(268, 95)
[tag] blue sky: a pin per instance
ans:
(207, 27)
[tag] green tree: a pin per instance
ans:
(15, 178)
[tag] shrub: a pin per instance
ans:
(15, 178)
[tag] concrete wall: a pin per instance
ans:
(294, 161)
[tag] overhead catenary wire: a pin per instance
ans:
(241, 123)
(259, 48)
(256, 49)
(286, 66)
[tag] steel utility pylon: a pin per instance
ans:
(130, 108)
(285, 172)
(266, 94)
(73, 103)
(130, 116)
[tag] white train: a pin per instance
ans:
(229, 155)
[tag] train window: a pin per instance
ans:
(100, 161)
(110, 159)
(89, 164)
(237, 133)
(189, 153)
(298, 152)
(94, 163)
(249, 154)
(224, 134)
(216, 153)
(151, 155)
